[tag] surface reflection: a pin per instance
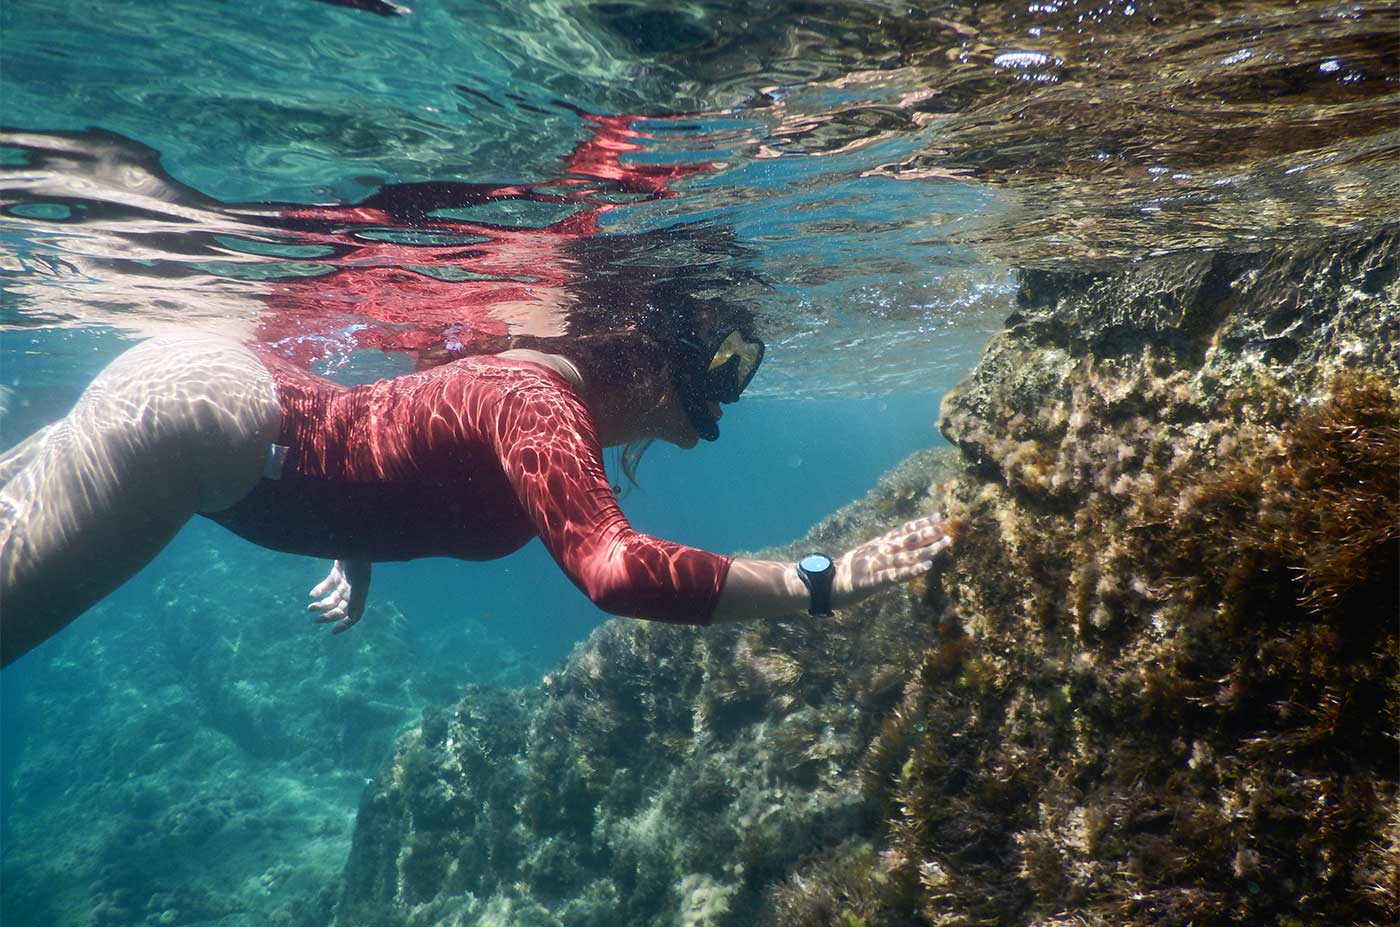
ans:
(877, 167)
(1113, 129)
(643, 214)
(446, 266)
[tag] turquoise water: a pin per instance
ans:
(861, 177)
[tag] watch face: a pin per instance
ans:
(815, 563)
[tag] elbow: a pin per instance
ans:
(612, 593)
(614, 607)
(638, 586)
(609, 576)
(628, 603)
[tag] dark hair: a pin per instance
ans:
(629, 458)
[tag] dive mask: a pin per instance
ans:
(732, 366)
(727, 374)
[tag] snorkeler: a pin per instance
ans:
(468, 459)
(526, 370)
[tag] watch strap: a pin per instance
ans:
(818, 583)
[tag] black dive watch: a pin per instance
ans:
(817, 572)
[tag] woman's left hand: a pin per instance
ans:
(902, 554)
(343, 593)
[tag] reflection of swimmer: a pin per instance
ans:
(409, 267)
(424, 262)
(469, 459)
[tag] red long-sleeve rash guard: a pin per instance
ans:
(470, 460)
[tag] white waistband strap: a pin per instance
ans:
(276, 459)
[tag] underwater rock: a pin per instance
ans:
(663, 776)
(1169, 689)
(1175, 351)
(1158, 684)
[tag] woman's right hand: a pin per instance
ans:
(342, 595)
(896, 556)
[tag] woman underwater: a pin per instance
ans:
(490, 445)
(468, 459)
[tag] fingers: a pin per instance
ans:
(902, 554)
(342, 612)
(877, 565)
(338, 598)
(922, 544)
(902, 559)
(907, 565)
(333, 607)
(917, 562)
(899, 574)
(917, 533)
(349, 612)
(326, 585)
(336, 613)
(869, 569)
(335, 578)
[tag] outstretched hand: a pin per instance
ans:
(342, 595)
(902, 554)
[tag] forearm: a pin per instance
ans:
(756, 589)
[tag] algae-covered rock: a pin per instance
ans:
(1170, 688)
(1172, 353)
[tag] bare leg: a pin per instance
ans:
(174, 426)
(18, 457)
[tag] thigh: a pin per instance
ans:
(15, 459)
(173, 426)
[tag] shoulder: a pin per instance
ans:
(521, 388)
(508, 373)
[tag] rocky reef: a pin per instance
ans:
(663, 775)
(1167, 690)
(1158, 683)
